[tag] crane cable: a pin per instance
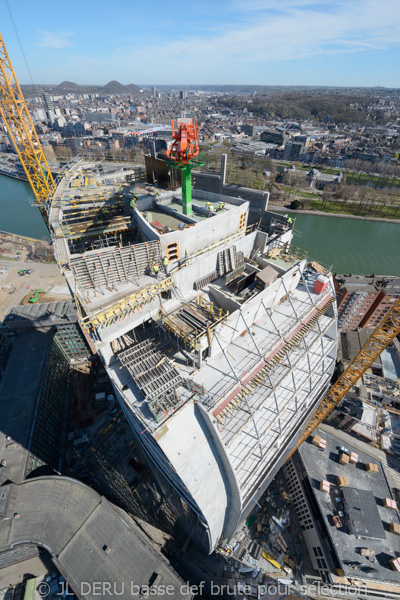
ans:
(20, 43)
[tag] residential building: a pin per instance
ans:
(363, 301)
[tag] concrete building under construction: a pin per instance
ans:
(217, 334)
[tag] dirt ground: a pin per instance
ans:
(23, 249)
(16, 289)
(44, 297)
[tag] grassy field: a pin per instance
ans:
(353, 208)
(253, 178)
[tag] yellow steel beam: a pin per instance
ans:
(383, 335)
(16, 118)
(135, 302)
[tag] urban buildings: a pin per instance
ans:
(348, 516)
(363, 301)
(292, 151)
(96, 115)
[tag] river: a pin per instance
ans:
(16, 214)
(351, 245)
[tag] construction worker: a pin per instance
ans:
(210, 207)
(156, 268)
(133, 202)
(165, 262)
(290, 220)
(222, 205)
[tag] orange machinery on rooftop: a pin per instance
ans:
(184, 146)
(183, 149)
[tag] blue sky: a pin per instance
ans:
(265, 42)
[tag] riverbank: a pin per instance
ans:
(18, 236)
(317, 213)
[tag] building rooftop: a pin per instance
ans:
(19, 390)
(90, 540)
(362, 513)
(370, 283)
(368, 522)
(44, 314)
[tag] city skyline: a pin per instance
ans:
(257, 42)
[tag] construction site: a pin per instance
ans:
(218, 336)
(203, 318)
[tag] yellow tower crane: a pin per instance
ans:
(18, 122)
(379, 340)
(19, 126)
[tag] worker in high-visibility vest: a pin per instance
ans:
(210, 207)
(222, 205)
(290, 220)
(165, 262)
(156, 268)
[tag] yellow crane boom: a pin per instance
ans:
(374, 346)
(18, 123)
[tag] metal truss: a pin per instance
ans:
(383, 335)
(23, 136)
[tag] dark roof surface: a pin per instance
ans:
(362, 513)
(90, 539)
(44, 314)
(325, 465)
(19, 390)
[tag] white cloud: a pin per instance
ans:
(55, 39)
(303, 28)
(256, 37)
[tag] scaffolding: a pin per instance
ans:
(236, 402)
(72, 343)
(125, 307)
(229, 260)
(94, 220)
(383, 335)
(107, 267)
(275, 409)
(193, 321)
(107, 240)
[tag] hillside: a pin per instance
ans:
(68, 85)
(112, 87)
